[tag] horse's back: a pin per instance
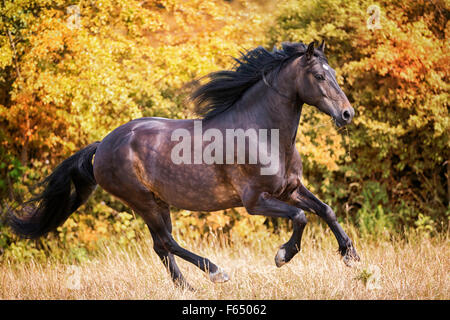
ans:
(137, 155)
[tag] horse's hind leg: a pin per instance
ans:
(169, 261)
(166, 257)
(164, 237)
(152, 210)
(157, 217)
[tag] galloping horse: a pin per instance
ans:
(264, 90)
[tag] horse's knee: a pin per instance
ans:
(300, 219)
(330, 216)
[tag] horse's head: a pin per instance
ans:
(318, 86)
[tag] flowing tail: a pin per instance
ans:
(66, 189)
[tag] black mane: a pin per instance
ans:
(225, 87)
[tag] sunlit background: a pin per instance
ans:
(72, 71)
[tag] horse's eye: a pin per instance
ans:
(319, 77)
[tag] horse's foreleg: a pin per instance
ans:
(292, 247)
(264, 204)
(305, 200)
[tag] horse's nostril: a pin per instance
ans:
(346, 115)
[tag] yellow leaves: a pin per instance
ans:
(235, 223)
(217, 220)
(87, 230)
(6, 53)
(319, 141)
(249, 229)
(101, 227)
(189, 224)
(128, 59)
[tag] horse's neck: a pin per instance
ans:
(262, 107)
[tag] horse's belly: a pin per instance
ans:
(196, 188)
(196, 204)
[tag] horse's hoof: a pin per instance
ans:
(280, 258)
(351, 257)
(219, 276)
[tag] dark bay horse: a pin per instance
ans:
(264, 90)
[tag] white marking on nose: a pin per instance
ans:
(325, 66)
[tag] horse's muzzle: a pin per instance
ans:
(345, 117)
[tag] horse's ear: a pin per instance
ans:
(322, 46)
(309, 51)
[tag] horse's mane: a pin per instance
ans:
(225, 87)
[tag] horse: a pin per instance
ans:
(263, 90)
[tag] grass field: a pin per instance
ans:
(417, 268)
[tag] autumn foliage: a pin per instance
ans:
(72, 71)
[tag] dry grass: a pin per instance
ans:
(414, 269)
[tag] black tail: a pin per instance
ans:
(67, 188)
